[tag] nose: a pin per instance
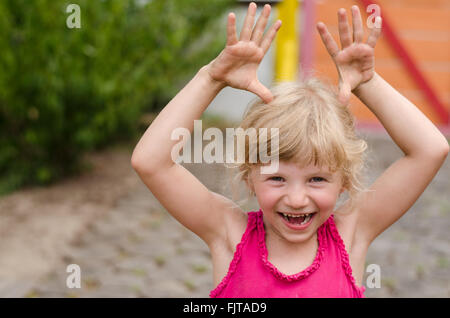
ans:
(297, 198)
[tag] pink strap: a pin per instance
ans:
(344, 255)
(237, 254)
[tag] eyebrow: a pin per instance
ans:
(324, 173)
(321, 172)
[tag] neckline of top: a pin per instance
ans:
(275, 271)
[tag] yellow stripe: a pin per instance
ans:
(286, 52)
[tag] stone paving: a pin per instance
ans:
(138, 250)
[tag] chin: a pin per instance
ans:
(298, 239)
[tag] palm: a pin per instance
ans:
(355, 61)
(355, 64)
(237, 64)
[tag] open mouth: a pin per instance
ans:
(297, 220)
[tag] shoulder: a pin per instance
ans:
(346, 220)
(222, 249)
(234, 225)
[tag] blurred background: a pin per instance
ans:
(75, 101)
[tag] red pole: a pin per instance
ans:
(412, 68)
(308, 16)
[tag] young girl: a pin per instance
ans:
(296, 245)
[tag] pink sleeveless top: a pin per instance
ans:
(251, 275)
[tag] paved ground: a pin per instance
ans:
(135, 249)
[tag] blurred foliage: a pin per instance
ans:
(64, 91)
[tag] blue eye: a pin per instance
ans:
(276, 179)
(318, 178)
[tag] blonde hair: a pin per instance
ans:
(314, 128)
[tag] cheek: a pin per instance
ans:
(267, 196)
(326, 200)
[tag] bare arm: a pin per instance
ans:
(186, 198)
(410, 129)
(153, 151)
(424, 147)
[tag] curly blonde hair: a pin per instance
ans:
(314, 128)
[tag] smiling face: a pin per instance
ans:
(295, 190)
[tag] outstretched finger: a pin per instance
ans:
(259, 89)
(344, 29)
(358, 31)
(246, 31)
(261, 25)
(327, 39)
(374, 33)
(231, 29)
(270, 35)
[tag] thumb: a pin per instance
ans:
(345, 92)
(259, 89)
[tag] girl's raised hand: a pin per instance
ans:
(238, 62)
(355, 61)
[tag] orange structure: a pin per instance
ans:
(414, 58)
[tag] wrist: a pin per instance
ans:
(206, 75)
(370, 84)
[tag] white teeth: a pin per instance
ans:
(306, 219)
(297, 215)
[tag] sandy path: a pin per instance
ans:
(128, 246)
(37, 224)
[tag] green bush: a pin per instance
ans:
(64, 91)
